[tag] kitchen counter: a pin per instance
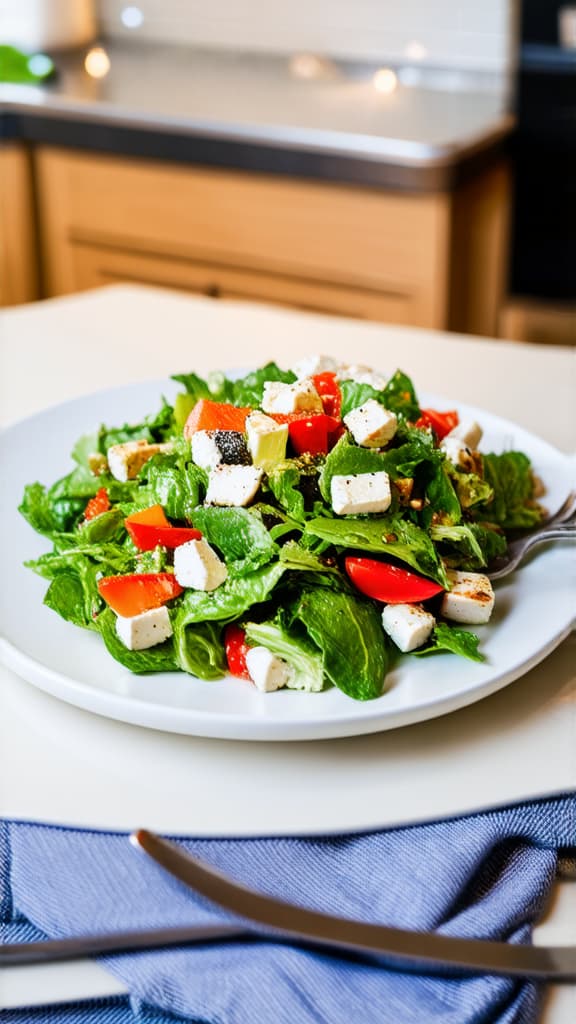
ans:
(258, 113)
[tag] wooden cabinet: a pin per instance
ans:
(354, 251)
(18, 254)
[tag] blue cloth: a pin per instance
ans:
(486, 875)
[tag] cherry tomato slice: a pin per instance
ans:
(315, 434)
(389, 583)
(441, 422)
(98, 504)
(326, 385)
(236, 648)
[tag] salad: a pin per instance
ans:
(297, 528)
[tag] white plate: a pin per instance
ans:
(533, 610)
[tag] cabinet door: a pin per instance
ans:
(367, 252)
(95, 266)
(18, 269)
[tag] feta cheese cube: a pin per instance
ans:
(211, 447)
(126, 460)
(467, 431)
(470, 599)
(233, 485)
(363, 375)
(285, 398)
(139, 632)
(408, 625)
(457, 452)
(371, 425)
(197, 565)
(267, 440)
(360, 493)
(266, 671)
(311, 365)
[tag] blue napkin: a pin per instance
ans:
(486, 875)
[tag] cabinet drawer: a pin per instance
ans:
(388, 250)
(95, 265)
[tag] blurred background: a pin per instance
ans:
(407, 162)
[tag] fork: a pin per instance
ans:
(561, 526)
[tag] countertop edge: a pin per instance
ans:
(326, 155)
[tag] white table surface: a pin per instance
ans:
(518, 743)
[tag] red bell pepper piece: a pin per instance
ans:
(236, 649)
(208, 415)
(314, 434)
(150, 528)
(132, 595)
(389, 583)
(98, 504)
(440, 422)
(326, 385)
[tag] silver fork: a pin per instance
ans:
(561, 526)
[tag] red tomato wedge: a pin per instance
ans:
(441, 422)
(132, 595)
(98, 504)
(326, 385)
(389, 583)
(150, 528)
(207, 415)
(314, 434)
(236, 648)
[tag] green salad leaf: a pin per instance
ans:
(454, 640)
(160, 658)
(231, 599)
(240, 536)
(390, 535)
(348, 631)
(199, 648)
(512, 504)
(302, 655)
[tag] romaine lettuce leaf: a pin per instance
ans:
(240, 536)
(231, 599)
(348, 631)
(298, 650)
(160, 658)
(175, 483)
(390, 535)
(398, 396)
(510, 477)
(199, 648)
(73, 594)
(454, 640)
(468, 545)
(248, 391)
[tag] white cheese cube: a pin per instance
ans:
(363, 375)
(456, 451)
(371, 425)
(267, 440)
(285, 398)
(197, 565)
(233, 485)
(205, 451)
(360, 493)
(126, 460)
(467, 431)
(266, 671)
(211, 447)
(408, 625)
(138, 632)
(311, 365)
(470, 600)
